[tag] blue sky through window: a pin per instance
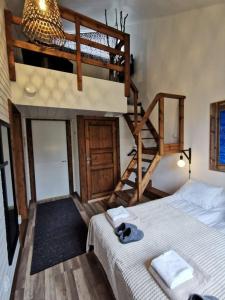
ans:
(222, 138)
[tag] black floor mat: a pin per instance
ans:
(60, 234)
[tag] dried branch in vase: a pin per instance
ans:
(116, 59)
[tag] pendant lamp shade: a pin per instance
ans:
(42, 22)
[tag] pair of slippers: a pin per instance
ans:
(128, 233)
(197, 297)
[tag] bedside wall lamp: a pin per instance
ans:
(181, 162)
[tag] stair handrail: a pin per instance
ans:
(151, 107)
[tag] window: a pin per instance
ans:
(217, 136)
(222, 137)
(8, 191)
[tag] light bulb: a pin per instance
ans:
(181, 163)
(42, 5)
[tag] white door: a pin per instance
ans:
(50, 159)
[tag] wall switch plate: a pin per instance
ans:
(19, 219)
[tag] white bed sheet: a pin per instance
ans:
(165, 228)
(213, 218)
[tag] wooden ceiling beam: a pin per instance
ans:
(10, 49)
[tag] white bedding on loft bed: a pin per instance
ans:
(170, 223)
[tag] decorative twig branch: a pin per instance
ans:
(106, 22)
(118, 24)
(124, 23)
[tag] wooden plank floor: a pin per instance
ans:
(79, 278)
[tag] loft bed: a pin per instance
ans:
(62, 64)
(74, 49)
(191, 222)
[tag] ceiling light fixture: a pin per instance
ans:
(42, 22)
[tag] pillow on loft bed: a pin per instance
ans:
(202, 194)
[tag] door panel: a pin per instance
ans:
(102, 181)
(100, 166)
(100, 134)
(101, 158)
(50, 159)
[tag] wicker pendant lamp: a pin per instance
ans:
(42, 22)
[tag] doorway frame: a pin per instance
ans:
(30, 151)
(82, 152)
(10, 248)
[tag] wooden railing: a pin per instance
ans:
(162, 148)
(78, 20)
(160, 100)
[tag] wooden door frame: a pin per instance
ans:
(30, 151)
(18, 161)
(11, 251)
(82, 150)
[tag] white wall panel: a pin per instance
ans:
(59, 90)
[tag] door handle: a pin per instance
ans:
(64, 161)
(88, 159)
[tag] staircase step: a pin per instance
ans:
(150, 150)
(146, 160)
(148, 138)
(130, 109)
(124, 195)
(129, 182)
(132, 114)
(132, 104)
(145, 129)
(134, 170)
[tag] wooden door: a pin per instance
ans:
(99, 156)
(50, 158)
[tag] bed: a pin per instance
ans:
(197, 232)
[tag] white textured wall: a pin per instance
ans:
(184, 54)
(59, 89)
(6, 272)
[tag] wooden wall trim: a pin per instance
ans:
(69, 156)
(31, 155)
(214, 163)
(82, 157)
(31, 160)
(118, 148)
(18, 159)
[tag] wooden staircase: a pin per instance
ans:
(149, 141)
(150, 146)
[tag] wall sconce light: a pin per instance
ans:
(181, 162)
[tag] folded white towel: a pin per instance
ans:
(118, 213)
(172, 268)
(132, 218)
